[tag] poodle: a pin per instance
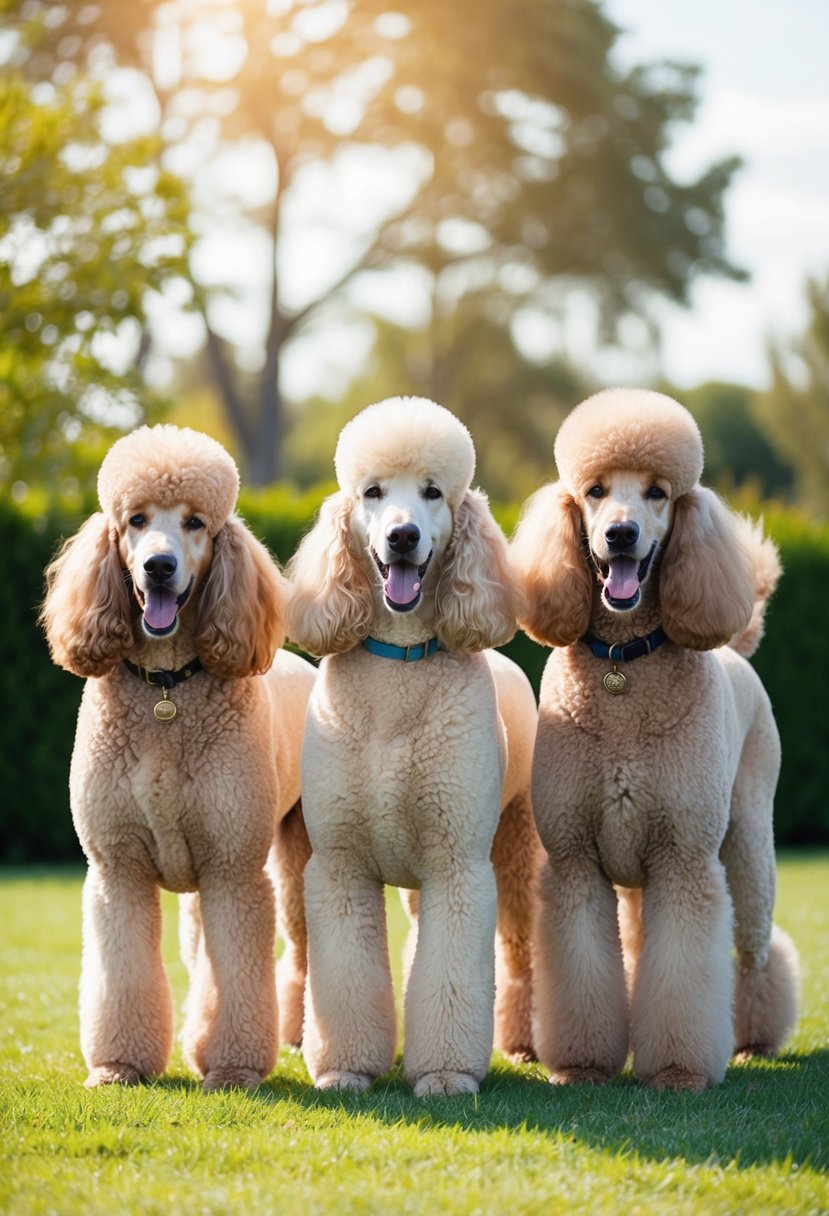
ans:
(656, 758)
(415, 744)
(186, 754)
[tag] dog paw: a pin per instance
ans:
(754, 1051)
(445, 1085)
(112, 1074)
(579, 1076)
(345, 1082)
(677, 1078)
(230, 1078)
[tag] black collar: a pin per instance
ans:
(623, 652)
(165, 679)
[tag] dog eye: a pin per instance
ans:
(373, 492)
(137, 521)
(655, 493)
(193, 524)
(432, 492)
(595, 491)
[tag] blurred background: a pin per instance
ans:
(256, 216)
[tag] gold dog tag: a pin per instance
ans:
(615, 681)
(165, 710)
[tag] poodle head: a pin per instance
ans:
(406, 436)
(405, 465)
(405, 535)
(629, 505)
(168, 491)
(164, 547)
(628, 456)
(168, 466)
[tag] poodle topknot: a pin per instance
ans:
(169, 465)
(629, 429)
(406, 434)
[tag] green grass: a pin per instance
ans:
(758, 1143)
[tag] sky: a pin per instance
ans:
(765, 96)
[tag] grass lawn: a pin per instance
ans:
(758, 1143)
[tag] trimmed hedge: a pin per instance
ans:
(41, 701)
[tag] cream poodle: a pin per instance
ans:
(656, 758)
(415, 744)
(186, 754)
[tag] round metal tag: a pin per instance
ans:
(164, 711)
(615, 682)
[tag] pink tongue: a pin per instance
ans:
(403, 583)
(622, 581)
(160, 607)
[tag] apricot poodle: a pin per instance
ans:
(656, 759)
(415, 744)
(186, 755)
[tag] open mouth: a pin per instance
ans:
(402, 582)
(161, 606)
(622, 577)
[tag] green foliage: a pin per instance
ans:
(795, 411)
(757, 1143)
(42, 701)
(792, 661)
(534, 171)
(88, 231)
(738, 453)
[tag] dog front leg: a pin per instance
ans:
(451, 989)
(286, 864)
(125, 1003)
(681, 1024)
(581, 1011)
(230, 1037)
(350, 1031)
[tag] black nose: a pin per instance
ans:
(160, 567)
(622, 535)
(403, 538)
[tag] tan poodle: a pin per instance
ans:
(407, 761)
(186, 753)
(656, 759)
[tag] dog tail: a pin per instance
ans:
(767, 570)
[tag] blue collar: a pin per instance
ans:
(623, 652)
(409, 654)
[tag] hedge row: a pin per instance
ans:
(41, 702)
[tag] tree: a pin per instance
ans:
(738, 453)
(533, 166)
(87, 230)
(512, 405)
(795, 411)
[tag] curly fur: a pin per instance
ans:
(190, 804)
(405, 768)
(665, 791)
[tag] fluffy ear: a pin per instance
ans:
(240, 622)
(330, 607)
(548, 557)
(475, 599)
(86, 613)
(707, 578)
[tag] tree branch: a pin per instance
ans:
(227, 388)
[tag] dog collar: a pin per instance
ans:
(166, 680)
(615, 681)
(624, 652)
(408, 654)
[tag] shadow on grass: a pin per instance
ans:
(765, 1111)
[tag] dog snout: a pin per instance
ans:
(160, 567)
(403, 538)
(621, 535)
